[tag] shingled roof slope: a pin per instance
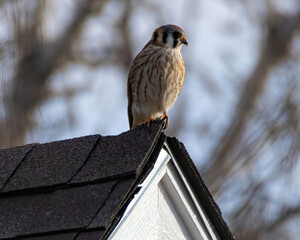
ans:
(80, 188)
(72, 188)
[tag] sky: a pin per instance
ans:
(220, 49)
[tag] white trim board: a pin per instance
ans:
(164, 208)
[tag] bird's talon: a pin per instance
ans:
(149, 122)
(165, 116)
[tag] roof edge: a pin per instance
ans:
(198, 186)
(142, 172)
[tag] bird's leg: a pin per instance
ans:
(165, 116)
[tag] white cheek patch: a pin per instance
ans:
(170, 41)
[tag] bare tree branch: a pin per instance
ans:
(33, 71)
(280, 33)
(284, 216)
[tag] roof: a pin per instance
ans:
(80, 188)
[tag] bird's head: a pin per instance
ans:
(169, 36)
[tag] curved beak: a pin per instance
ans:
(184, 41)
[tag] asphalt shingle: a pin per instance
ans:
(69, 208)
(112, 203)
(51, 163)
(10, 159)
(119, 155)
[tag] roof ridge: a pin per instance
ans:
(145, 167)
(152, 147)
(19, 164)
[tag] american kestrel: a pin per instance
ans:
(156, 76)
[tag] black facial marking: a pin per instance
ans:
(176, 36)
(165, 36)
(155, 35)
(175, 42)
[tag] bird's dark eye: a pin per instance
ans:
(176, 34)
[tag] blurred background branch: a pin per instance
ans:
(275, 46)
(37, 61)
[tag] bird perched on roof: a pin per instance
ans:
(156, 76)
